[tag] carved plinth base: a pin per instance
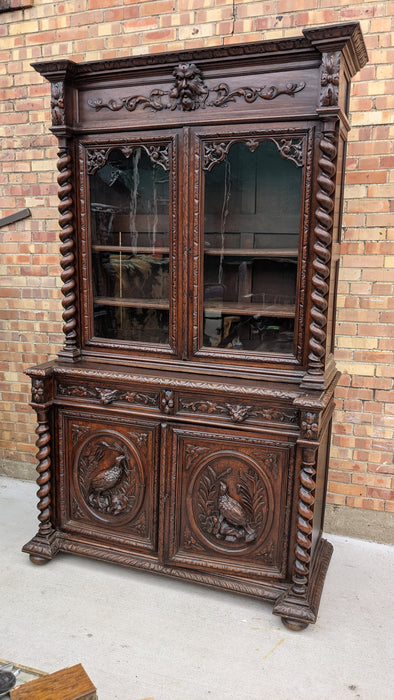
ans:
(42, 549)
(298, 612)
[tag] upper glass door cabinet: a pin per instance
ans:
(130, 196)
(252, 215)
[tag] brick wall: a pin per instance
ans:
(30, 311)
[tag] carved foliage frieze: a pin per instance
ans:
(189, 93)
(107, 396)
(238, 413)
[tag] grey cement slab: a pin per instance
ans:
(143, 636)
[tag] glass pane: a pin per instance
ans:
(251, 232)
(129, 199)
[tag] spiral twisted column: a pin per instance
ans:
(67, 261)
(44, 473)
(322, 251)
(304, 522)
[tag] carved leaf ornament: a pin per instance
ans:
(189, 93)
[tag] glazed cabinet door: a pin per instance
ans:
(108, 479)
(228, 502)
(250, 240)
(130, 274)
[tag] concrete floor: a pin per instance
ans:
(143, 636)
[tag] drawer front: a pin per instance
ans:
(229, 501)
(108, 478)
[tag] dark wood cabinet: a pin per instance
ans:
(185, 426)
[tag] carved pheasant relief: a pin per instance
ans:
(233, 514)
(108, 477)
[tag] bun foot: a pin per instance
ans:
(294, 625)
(39, 561)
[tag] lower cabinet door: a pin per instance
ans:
(228, 502)
(107, 482)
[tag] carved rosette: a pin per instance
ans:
(322, 251)
(67, 260)
(310, 425)
(38, 391)
(329, 79)
(108, 477)
(57, 104)
(167, 401)
(304, 522)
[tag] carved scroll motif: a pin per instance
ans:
(57, 104)
(322, 251)
(189, 93)
(158, 153)
(329, 79)
(289, 147)
(67, 260)
(250, 95)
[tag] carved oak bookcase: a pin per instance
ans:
(184, 428)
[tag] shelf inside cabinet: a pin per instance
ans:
(254, 252)
(131, 250)
(240, 309)
(157, 304)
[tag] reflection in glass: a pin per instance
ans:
(129, 198)
(251, 232)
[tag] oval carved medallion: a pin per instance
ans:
(109, 476)
(230, 501)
